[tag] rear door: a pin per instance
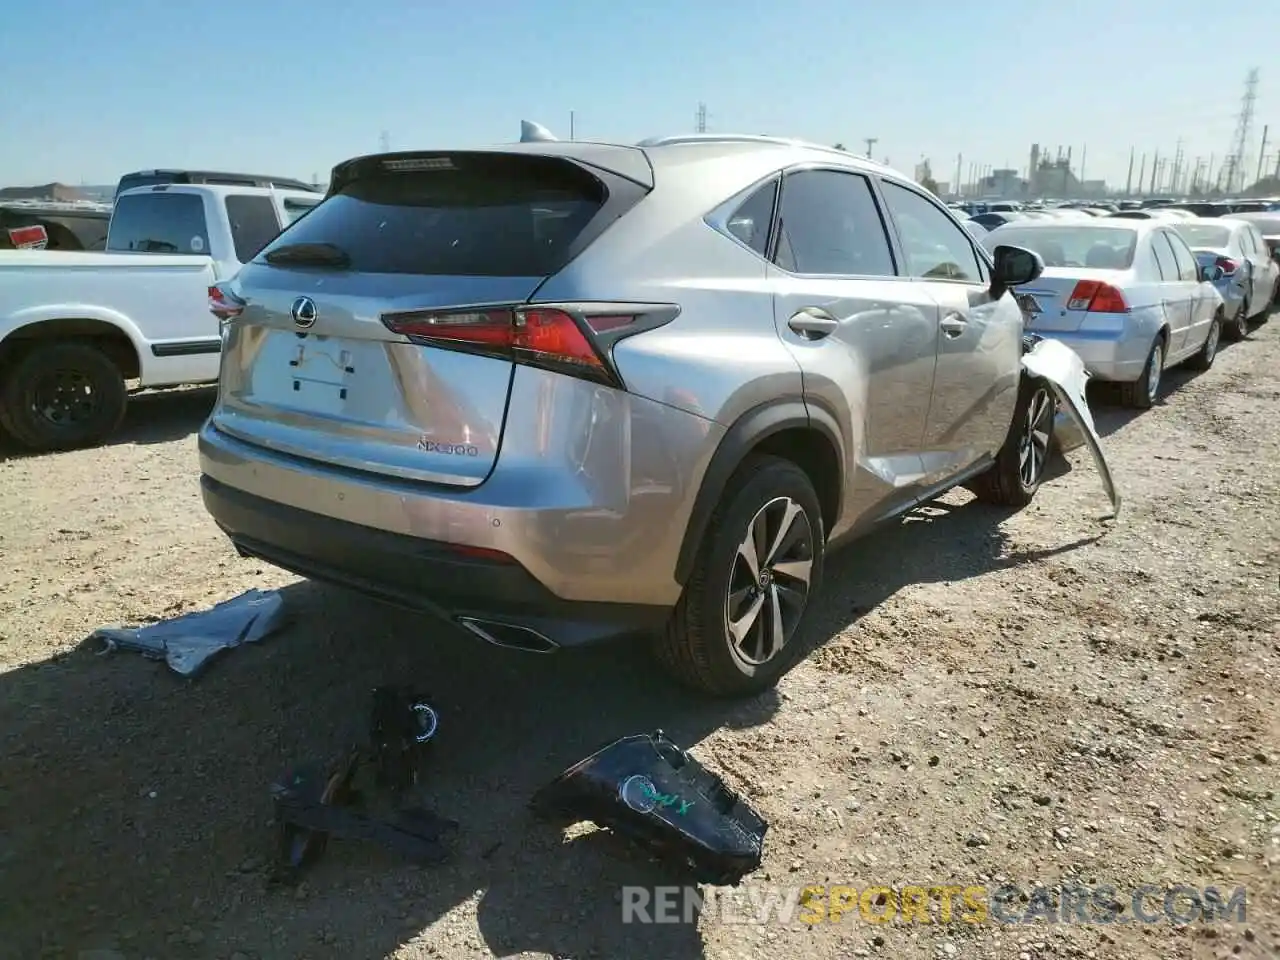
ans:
(447, 243)
(978, 339)
(864, 337)
(1175, 292)
(1199, 298)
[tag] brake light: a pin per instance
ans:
(1228, 265)
(535, 332)
(224, 304)
(1097, 297)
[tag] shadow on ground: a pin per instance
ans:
(136, 804)
(154, 416)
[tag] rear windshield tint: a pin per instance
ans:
(493, 219)
(1106, 248)
(1203, 235)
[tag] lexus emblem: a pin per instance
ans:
(304, 312)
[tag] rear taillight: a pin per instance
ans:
(1097, 297)
(1228, 265)
(544, 336)
(224, 304)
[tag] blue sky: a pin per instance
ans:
(94, 88)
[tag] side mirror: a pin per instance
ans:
(1211, 274)
(1015, 266)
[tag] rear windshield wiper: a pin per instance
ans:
(309, 255)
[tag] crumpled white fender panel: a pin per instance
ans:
(1059, 365)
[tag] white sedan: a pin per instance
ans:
(1127, 295)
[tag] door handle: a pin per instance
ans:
(954, 324)
(813, 323)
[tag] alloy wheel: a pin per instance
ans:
(1154, 372)
(1241, 320)
(769, 581)
(1033, 448)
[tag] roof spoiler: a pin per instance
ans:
(531, 132)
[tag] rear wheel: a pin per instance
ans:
(1019, 468)
(60, 396)
(734, 631)
(1204, 359)
(1238, 328)
(1141, 394)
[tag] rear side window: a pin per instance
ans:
(253, 224)
(830, 225)
(1183, 257)
(497, 217)
(159, 223)
(752, 221)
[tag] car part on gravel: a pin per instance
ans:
(1062, 368)
(187, 643)
(314, 802)
(647, 788)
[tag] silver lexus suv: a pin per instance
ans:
(560, 392)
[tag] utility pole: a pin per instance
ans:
(702, 118)
(1177, 167)
(1155, 162)
(572, 128)
(1128, 180)
(956, 183)
(1142, 172)
(1234, 164)
(871, 143)
(1084, 153)
(1263, 152)
(384, 140)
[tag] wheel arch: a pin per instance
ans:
(113, 339)
(807, 436)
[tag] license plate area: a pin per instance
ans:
(321, 371)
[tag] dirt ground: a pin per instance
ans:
(1026, 698)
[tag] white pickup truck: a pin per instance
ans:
(74, 327)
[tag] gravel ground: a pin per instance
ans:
(1023, 697)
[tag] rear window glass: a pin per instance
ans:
(1102, 248)
(159, 223)
(499, 218)
(1203, 235)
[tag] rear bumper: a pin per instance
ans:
(1109, 356)
(419, 574)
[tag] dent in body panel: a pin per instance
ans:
(591, 492)
(873, 374)
(975, 387)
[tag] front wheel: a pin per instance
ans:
(734, 631)
(61, 396)
(1016, 475)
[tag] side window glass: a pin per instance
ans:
(1164, 258)
(752, 221)
(1183, 257)
(253, 223)
(936, 248)
(830, 225)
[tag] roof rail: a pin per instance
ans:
(748, 138)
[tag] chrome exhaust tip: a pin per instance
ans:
(509, 635)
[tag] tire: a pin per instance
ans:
(1020, 464)
(697, 648)
(1238, 328)
(1204, 358)
(61, 396)
(1141, 394)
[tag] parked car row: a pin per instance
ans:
(1134, 297)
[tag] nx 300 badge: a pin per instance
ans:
(457, 449)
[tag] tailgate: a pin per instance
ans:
(311, 369)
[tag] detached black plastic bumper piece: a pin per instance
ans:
(649, 789)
